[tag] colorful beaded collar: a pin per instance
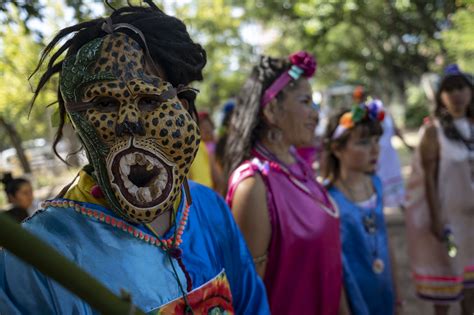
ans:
(169, 245)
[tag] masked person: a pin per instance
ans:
(132, 221)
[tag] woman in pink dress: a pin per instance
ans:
(286, 217)
(440, 201)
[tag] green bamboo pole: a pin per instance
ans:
(37, 253)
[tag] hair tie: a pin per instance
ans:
(108, 26)
(186, 88)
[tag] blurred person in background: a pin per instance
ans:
(222, 134)
(200, 171)
(388, 168)
(440, 201)
(20, 195)
(206, 127)
(350, 160)
(285, 215)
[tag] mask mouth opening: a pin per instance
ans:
(144, 179)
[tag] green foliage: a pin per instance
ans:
(459, 38)
(381, 42)
(18, 56)
(27, 9)
(417, 107)
(385, 45)
(215, 25)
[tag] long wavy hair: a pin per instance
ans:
(247, 124)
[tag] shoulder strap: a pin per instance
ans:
(245, 170)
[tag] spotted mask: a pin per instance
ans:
(138, 136)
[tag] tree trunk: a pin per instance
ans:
(16, 142)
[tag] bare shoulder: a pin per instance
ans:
(250, 211)
(250, 193)
(429, 145)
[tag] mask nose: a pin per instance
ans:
(130, 128)
(129, 121)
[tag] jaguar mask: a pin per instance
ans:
(138, 136)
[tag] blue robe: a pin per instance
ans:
(213, 248)
(368, 293)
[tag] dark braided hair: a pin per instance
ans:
(168, 41)
(247, 125)
(446, 120)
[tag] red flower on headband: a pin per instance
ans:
(305, 61)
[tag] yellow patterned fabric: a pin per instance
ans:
(201, 169)
(82, 192)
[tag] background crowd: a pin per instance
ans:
(300, 144)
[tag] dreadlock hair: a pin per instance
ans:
(330, 163)
(168, 41)
(247, 124)
(450, 83)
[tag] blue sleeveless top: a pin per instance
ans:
(368, 292)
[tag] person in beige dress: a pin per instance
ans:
(440, 199)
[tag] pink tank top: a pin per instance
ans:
(304, 269)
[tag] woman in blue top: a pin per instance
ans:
(349, 163)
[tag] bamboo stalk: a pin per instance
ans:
(43, 257)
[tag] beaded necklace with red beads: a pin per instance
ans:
(170, 245)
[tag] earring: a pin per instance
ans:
(275, 135)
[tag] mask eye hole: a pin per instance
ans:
(149, 103)
(106, 104)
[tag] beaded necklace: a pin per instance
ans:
(170, 245)
(369, 221)
(296, 179)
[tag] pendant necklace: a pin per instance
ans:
(369, 221)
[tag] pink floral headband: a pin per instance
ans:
(372, 110)
(303, 63)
